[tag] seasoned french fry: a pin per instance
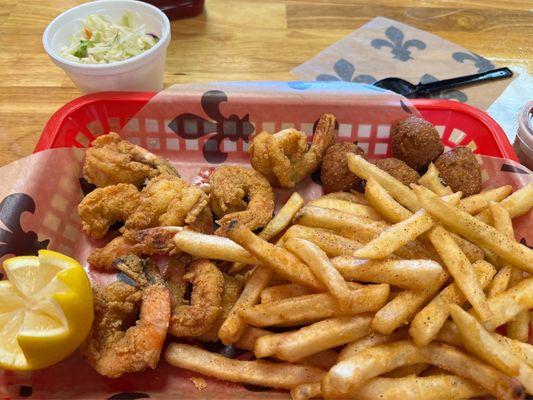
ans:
(283, 218)
(365, 170)
(359, 210)
(399, 311)
(266, 346)
(428, 322)
(325, 359)
(280, 292)
(432, 181)
(280, 260)
(320, 265)
(480, 343)
(212, 247)
(374, 339)
(287, 290)
(472, 252)
(306, 391)
(349, 375)
(315, 307)
(354, 197)
(403, 307)
(415, 250)
(234, 325)
(396, 236)
(395, 212)
(436, 387)
(505, 306)
(501, 219)
(384, 203)
(249, 338)
(523, 351)
(516, 204)
(411, 251)
(333, 219)
(509, 304)
(332, 243)
(406, 370)
(461, 269)
(352, 373)
(406, 274)
(500, 282)
(321, 336)
(518, 328)
(489, 378)
(450, 334)
(276, 375)
(277, 224)
(473, 229)
(491, 257)
(477, 202)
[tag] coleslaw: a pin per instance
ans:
(103, 41)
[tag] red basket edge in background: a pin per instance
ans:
(52, 129)
(132, 102)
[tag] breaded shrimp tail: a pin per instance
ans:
(284, 159)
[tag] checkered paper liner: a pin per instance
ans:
(41, 193)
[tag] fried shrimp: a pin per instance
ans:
(104, 206)
(112, 160)
(284, 158)
(232, 291)
(130, 326)
(143, 242)
(194, 319)
(167, 200)
(243, 194)
(204, 222)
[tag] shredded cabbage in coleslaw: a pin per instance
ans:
(102, 41)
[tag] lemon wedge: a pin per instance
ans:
(46, 310)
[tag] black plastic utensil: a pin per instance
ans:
(411, 91)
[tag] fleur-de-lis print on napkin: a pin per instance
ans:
(451, 94)
(399, 47)
(385, 48)
(345, 71)
(482, 64)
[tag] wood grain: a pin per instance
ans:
(240, 40)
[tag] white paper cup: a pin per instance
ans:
(143, 72)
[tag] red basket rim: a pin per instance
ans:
(498, 133)
(51, 127)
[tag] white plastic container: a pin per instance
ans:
(143, 72)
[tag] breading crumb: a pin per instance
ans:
(198, 382)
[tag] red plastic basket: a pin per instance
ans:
(76, 122)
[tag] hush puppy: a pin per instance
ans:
(335, 174)
(460, 170)
(416, 142)
(398, 169)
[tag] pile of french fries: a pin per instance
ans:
(394, 294)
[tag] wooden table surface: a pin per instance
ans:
(240, 40)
